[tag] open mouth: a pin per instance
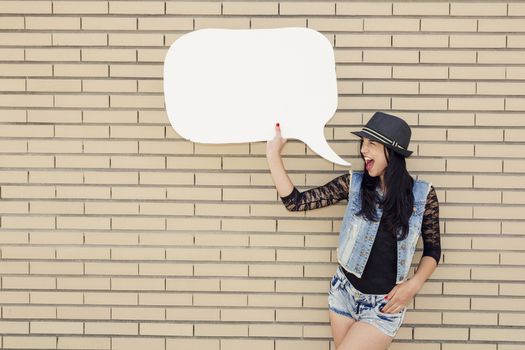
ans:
(369, 163)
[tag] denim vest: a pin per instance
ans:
(357, 234)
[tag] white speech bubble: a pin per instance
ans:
(233, 85)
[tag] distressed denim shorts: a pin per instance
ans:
(345, 300)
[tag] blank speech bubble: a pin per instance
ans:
(232, 86)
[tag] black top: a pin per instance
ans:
(379, 275)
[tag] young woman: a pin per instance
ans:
(387, 211)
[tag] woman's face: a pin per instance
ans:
(374, 155)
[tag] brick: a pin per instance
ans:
(497, 274)
(219, 299)
(136, 39)
(134, 313)
(239, 344)
(497, 334)
(151, 54)
(58, 85)
(248, 8)
(72, 342)
(53, 23)
(478, 9)
(477, 73)
(413, 72)
(109, 55)
(28, 192)
(390, 87)
(80, 70)
(427, 8)
(25, 39)
(133, 254)
(87, 101)
(452, 88)
(136, 7)
(80, 39)
(391, 24)
(511, 319)
(14, 297)
(444, 333)
(136, 71)
(172, 299)
(467, 346)
(79, 161)
(112, 298)
(275, 330)
(52, 297)
(470, 318)
(123, 328)
(191, 344)
(221, 330)
(379, 56)
(55, 146)
(213, 22)
(511, 258)
(512, 198)
(80, 7)
(498, 56)
(127, 223)
(475, 165)
(469, 103)
(168, 329)
(109, 23)
(142, 283)
(273, 270)
(193, 284)
(11, 55)
(41, 342)
(478, 41)
(474, 197)
(136, 101)
(26, 222)
(12, 23)
(515, 73)
(512, 227)
(448, 24)
(12, 267)
(109, 268)
(241, 285)
(83, 222)
(61, 268)
(448, 57)
(10, 327)
(193, 8)
(83, 283)
(331, 25)
(26, 100)
(113, 85)
(111, 117)
(168, 178)
(135, 162)
(450, 149)
(420, 40)
(12, 85)
(48, 207)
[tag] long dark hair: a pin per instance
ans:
(398, 200)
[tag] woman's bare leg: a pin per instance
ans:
(364, 336)
(340, 327)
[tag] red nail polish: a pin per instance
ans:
(277, 124)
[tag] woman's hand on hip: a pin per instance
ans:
(400, 296)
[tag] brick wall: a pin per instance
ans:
(116, 233)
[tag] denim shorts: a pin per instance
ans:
(345, 300)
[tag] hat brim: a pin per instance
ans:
(361, 134)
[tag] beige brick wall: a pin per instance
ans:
(116, 233)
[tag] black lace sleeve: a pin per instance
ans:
(318, 197)
(430, 227)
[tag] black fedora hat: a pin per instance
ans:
(391, 131)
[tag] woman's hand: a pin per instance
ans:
(275, 146)
(401, 295)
